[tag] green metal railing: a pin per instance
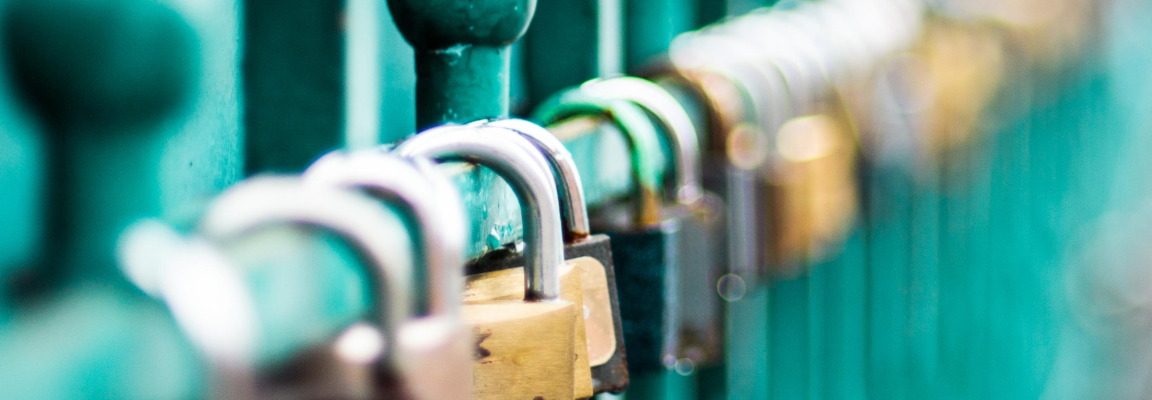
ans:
(952, 284)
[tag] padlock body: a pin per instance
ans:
(508, 284)
(646, 274)
(436, 353)
(610, 376)
(523, 350)
(701, 264)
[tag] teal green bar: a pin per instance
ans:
(650, 26)
(294, 89)
(842, 343)
(748, 344)
(662, 385)
(790, 340)
(924, 285)
(561, 47)
(887, 228)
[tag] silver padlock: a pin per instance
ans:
(183, 272)
(435, 346)
(355, 362)
(702, 262)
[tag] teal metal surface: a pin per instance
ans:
(954, 284)
(462, 55)
(294, 91)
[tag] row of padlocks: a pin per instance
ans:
(824, 199)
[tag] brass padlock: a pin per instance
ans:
(435, 347)
(330, 372)
(812, 157)
(591, 255)
(644, 240)
(743, 101)
(525, 348)
(702, 260)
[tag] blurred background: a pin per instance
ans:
(994, 244)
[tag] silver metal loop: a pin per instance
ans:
(526, 170)
(379, 235)
(564, 168)
(676, 123)
(765, 33)
(764, 82)
(432, 202)
(205, 294)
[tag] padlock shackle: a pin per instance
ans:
(379, 236)
(676, 124)
(646, 155)
(576, 226)
(182, 272)
(517, 160)
(763, 85)
(433, 207)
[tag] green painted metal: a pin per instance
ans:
(104, 98)
(650, 26)
(293, 71)
(462, 55)
(570, 43)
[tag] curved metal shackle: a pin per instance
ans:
(763, 83)
(684, 141)
(571, 193)
(516, 160)
(207, 297)
(431, 201)
(765, 31)
(643, 141)
(378, 235)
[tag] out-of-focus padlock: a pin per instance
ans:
(182, 271)
(339, 370)
(702, 261)
(813, 155)
(435, 347)
(591, 255)
(525, 348)
(744, 100)
(644, 240)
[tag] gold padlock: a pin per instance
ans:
(524, 348)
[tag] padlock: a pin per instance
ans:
(360, 363)
(813, 155)
(435, 346)
(525, 348)
(744, 100)
(644, 241)
(591, 254)
(182, 272)
(702, 261)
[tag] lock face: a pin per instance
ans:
(602, 327)
(525, 348)
(702, 263)
(601, 304)
(507, 284)
(648, 301)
